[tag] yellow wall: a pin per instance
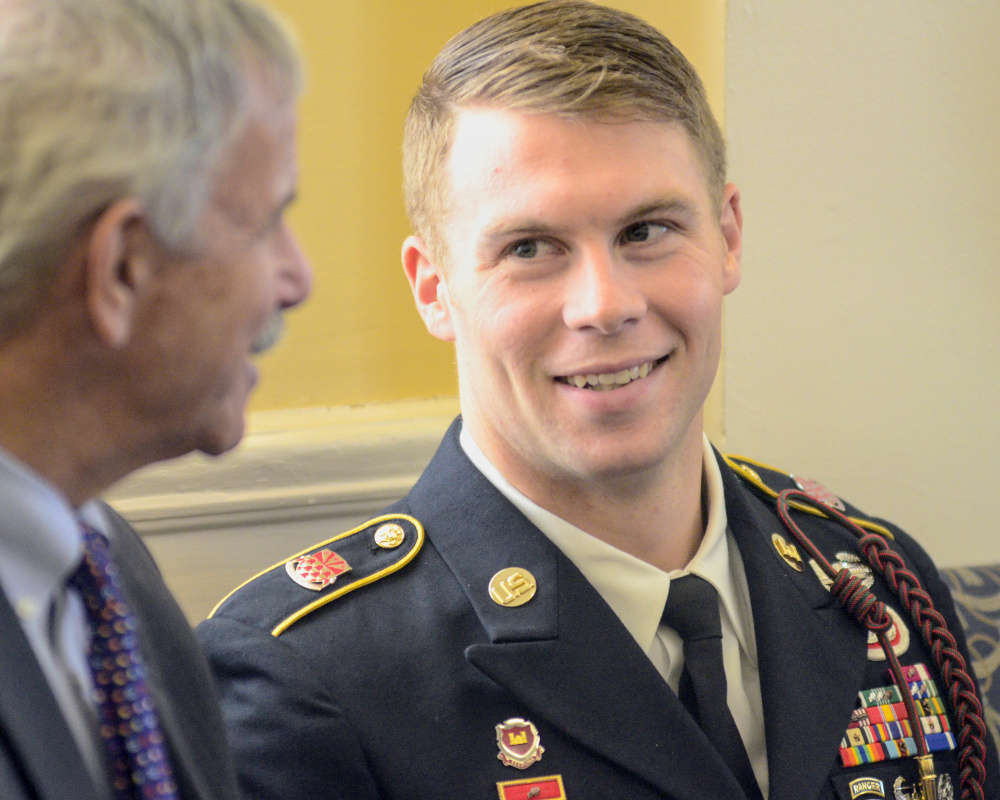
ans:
(359, 339)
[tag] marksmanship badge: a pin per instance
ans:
(317, 570)
(519, 743)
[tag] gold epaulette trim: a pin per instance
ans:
(740, 465)
(286, 623)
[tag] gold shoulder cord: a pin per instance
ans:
(750, 476)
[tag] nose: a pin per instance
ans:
(603, 294)
(295, 274)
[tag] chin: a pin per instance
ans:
(223, 436)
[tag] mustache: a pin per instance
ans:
(270, 335)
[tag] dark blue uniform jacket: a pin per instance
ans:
(393, 689)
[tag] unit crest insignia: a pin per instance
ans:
(817, 491)
(519, 743)
(318, 570)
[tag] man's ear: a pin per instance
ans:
(731, 223)
(430, 289)
(118, 263)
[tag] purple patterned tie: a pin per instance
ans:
(129, 725)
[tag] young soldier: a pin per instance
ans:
(579, 598)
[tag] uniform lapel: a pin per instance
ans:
(564, 654)
(31, 722)
(812, 657)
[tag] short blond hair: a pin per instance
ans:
(104, 99)
(563, 57)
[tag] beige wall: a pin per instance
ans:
(863, 348)
(359, 340)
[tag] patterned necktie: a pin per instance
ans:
(129, 725)
(693, 611)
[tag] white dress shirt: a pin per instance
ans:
(637, 593)
(41, 545)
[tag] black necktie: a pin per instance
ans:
(693, 611)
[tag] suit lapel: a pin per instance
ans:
(31, 721)
(564, 654)
(811, 656)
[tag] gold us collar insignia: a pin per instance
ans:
(512, 587)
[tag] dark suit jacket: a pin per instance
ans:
(394, 690)
(38, 757)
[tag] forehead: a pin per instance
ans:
(548, 158)
(257, 169)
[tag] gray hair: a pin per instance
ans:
(105, 99)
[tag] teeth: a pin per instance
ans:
(610, 380)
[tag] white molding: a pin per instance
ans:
(292, 465)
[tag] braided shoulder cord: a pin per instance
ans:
(862, 604)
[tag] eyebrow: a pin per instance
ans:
(669, 206)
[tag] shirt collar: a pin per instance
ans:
(41, 542)
(636, 590)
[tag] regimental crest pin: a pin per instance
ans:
(519, 743)
(316, 571)
(817, 491)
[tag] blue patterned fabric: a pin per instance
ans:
(977, 599)
(129, 723)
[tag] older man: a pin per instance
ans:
(146, 161)
(580, 598)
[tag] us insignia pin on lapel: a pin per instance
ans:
(512, 587)
(519, 743)
(548, 788)
(316, 571)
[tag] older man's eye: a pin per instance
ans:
(526, 249)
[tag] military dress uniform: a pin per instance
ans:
(400, 660)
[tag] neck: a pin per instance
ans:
(59, 423)
(655, 515)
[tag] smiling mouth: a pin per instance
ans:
(609, 381)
